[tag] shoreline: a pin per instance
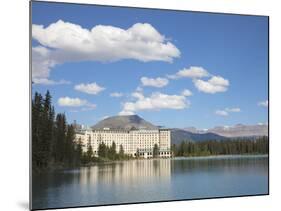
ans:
(209, 157)
(233, 156)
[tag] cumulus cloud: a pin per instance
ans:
(91, 88)
(126, 113)
(116, 94)
(221, 112)
(226, 111)
(192, 72)
(263, 103)
(62, 42)
(186, 93)
(155, 82)
(156, 101)
(138, 95)
(46, 81)
(41, 62)
(76, 102)
(213, 85)
(71, 102)
(263, 123)
(104, 117)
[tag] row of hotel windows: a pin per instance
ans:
(150, 153)
(142, 153)
(130, 145)
(129, 138)
(127, 135)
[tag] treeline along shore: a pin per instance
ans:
(53, 144)
(234, 146)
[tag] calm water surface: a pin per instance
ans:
(152, 180)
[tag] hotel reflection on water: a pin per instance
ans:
(127, 172)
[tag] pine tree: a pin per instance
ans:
(121, 152)
(90, 153)
(102, 150)
(37, 110)
(70, 145)
(155, 150)
(59, 149)
(78, 152)
(112, 151)
(47, 125)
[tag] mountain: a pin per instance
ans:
(187, 134)
(179, 135)
(134, 121)
(238, 130)
(124, 122)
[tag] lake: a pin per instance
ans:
(152, 180)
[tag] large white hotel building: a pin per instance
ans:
(135, 142)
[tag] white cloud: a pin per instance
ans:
(213, 85)
(76, 102)
(221, 112)
(116, 94)
(45, 81)
(226, 127)
(155, 82)
(156, 101)
(263, 103)
(41, 62)
(138, 95)
(192, 72)
(263, 123)
(125, 113)
(226, 111)
(64, 41)
(92, 88)
(71, 102)
(186, 93)
(104, 117)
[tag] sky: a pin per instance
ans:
(174, 69)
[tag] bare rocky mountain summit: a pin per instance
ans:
(124, 122)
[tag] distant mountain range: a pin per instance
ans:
(188, 134)
(238, 130)
(179, 135)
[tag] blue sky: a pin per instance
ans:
(162, 58)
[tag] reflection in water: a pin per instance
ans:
(151, 180)
(128, 172)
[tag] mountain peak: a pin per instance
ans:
(124, 122)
